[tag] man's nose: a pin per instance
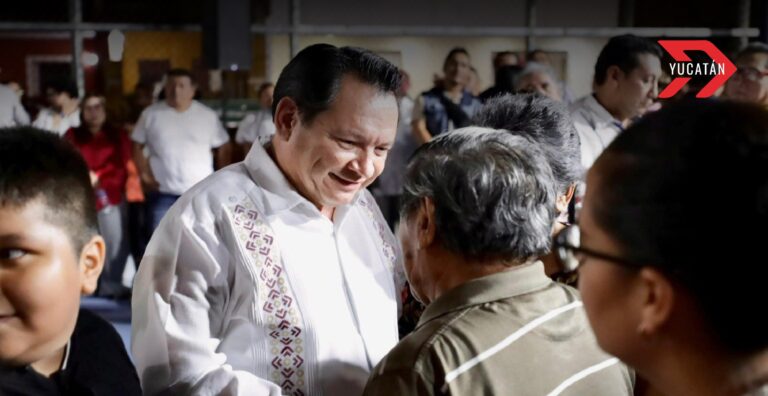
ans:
(363, 164)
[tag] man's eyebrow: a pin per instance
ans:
(12, 238)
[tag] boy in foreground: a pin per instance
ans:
(50, 254)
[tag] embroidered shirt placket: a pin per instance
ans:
(348, 293)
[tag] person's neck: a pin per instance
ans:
(455, 270)
(453, 88)
(691, 368)
(326, 211)
(69, 107)
(181, 107)
(603, 99)
(50, 364)
(551, 265)
(95, 129)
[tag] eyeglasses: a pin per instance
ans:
(751, 73)
(570, 254)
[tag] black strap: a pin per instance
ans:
(459, 118)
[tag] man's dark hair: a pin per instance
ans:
(543, 121)
(454, 51)
(313, 77)
(62, 86)
(179, 72)
(685, 190)
(36, 164)
(622, 51)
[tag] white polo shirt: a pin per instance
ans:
(256, 127)
(596, 127)
(179, 143)
(50, 120)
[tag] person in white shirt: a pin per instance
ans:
(626, 80)
(184, 139)
(258, 126)
(389, 186)
(278, 275)
(12, 113)
(64, 112)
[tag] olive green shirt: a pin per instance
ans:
(512, 333)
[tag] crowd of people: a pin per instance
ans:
(511, 241)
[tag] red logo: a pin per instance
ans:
(720, 68)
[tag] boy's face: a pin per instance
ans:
(41, 280)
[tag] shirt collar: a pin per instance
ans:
(280, 194)
(513, 282)
(66, 356)
(603, 117)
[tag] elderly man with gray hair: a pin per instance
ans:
(547, 123)
(538, 78)
(477, 211)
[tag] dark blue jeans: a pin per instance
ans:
(157, 204)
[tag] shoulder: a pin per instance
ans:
(414, 352)
(156, 108)
(216, 193)
(202, 110)
(579, 105)
(96, 345)
(93, 327)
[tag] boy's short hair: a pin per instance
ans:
(35, 164)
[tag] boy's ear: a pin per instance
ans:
(91, 263)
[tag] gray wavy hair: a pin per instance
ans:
(493, 193)
(545, 122)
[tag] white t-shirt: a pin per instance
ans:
(12, 113)
(256, 127)
(46, 120)
(179, 143)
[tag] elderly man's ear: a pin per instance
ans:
(286, 118)
(425, 223)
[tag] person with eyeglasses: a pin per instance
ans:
(749, 83)
(674, 294)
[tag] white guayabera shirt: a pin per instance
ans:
(246, 289)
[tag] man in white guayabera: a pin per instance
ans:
(278, 275)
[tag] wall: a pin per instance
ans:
(423, 56)
(181, 48)
(17, 48)
(478, 13)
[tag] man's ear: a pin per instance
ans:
(91, 263)
(658, 301)
(286, 118)
(613, 74)
(425, 221)
(564, 199)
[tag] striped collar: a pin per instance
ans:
(513, 282)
